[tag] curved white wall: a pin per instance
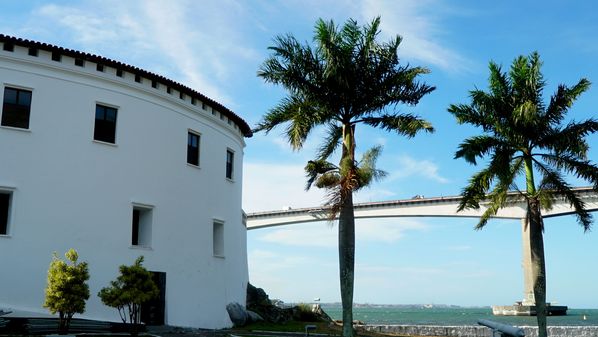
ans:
(70, 191)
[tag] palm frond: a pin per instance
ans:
(477, 147)
(581, 168)
(316, 168)
(563, 99)
(470, 114)
(331, 141)
(404, 124)
(366, 171)
(553, 182)
(570, 139)
(499, 168)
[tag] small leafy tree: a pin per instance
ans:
(133, 287)
(67, 288)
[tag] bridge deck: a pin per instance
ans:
(417, 207)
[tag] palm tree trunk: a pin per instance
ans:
(346, 229)
(538, 263)
(346, 253)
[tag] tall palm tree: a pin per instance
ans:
(346, 78)
(523, 136)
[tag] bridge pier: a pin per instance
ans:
(527, 307)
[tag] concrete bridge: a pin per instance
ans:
(420, 206)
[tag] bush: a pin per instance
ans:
(133, 287)
(67, 288)
(304, 313)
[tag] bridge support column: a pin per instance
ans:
(526, 265)
(527, 307)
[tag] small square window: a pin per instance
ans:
(230, 162)
(168, 90)
(204, 106)
(193, 101)
(5, 205)
(141, 227)
(33, 51)
(100, 67)
(8, 46)
(193, 148)
(105, 124)
(79, 62)
(137, 78)
(181, 95)
(119, 72)
(16, 108)
(154, 84)
(218, 239)
(56, 56)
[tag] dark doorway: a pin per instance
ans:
(152, 312)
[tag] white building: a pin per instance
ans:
(118, 162)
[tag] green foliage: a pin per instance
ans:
(133, 287)
(304, 313)
(347, 78)
(522, 136)
(67, 288)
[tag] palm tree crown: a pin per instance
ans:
(523, 135)
(347, 78)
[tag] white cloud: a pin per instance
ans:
(268, 186)
(419, 24)
(197, 43)
(303, 235)
(409, 167)
(323, 235)
(373, 194)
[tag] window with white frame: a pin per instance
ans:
(16, 108)
(105, 124)
(141, 226)
(218, 238)
(230, 163)
(193, 139)
(5, 206)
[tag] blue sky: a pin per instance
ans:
(217, 46)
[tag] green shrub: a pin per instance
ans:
(303, 313)
(133, 287)
(67, 288)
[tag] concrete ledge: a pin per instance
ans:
(478, 331)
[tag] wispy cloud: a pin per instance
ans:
(268, 186)
(410, 167)
(366, 231)
(164, 36)
(419, 22)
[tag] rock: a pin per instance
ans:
(320, 313)
(237, 313)
(259, 302)
(254, 317)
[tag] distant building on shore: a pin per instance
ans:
(118, 162)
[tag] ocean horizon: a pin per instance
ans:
(448, 315)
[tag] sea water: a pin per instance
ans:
(390, 315)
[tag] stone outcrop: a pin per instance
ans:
(259, 302)
(238, 315)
